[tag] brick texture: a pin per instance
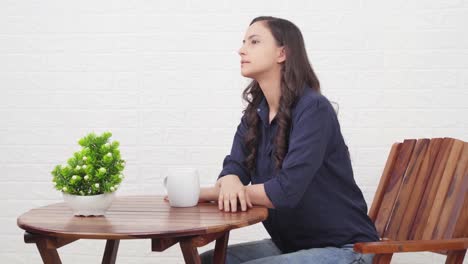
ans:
(164, 78)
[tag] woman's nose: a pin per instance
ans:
(241, 50)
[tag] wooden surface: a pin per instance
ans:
(137, 217)
(421, 203)
(412, 246)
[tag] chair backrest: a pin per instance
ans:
(422, 194)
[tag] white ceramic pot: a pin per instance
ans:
(89, 205)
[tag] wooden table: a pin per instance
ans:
(136, 217)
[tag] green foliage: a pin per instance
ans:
(95, 169)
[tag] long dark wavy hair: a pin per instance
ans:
(296, 72)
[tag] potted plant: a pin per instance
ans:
(91, 177)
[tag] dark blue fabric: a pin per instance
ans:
(317, 202)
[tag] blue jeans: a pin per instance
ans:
(265, 251)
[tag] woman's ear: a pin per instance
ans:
(281, 54)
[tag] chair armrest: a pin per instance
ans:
(385, 247)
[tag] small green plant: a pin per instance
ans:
(95, 169)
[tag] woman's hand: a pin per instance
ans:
(231, 189)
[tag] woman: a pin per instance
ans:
(289, 146)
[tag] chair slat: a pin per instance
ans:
(442, 189)
(461, 228)
(392, 157)
(453, 204)
(398, 218)
(424, 209)
(393, 186)
(419, 186)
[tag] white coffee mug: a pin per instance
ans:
(182, 187)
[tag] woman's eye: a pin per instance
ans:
(254, 41)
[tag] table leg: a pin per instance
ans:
(110, 253)
(48, 255)
(47, 246)
(190, 252)
(219, 256)
(189, 247)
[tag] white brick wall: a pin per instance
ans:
(164, 78)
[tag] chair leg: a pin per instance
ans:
(110, 253)
(455, 257)
(382, 259)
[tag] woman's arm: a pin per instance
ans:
(235, 174)
(208, 194)
(258, 195)
(308, 145)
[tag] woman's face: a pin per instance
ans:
(259, 52)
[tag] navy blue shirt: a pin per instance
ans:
(317, 202)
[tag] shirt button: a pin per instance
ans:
(258, 109)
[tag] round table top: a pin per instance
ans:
(141, 216)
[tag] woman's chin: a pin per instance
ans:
(247, 74)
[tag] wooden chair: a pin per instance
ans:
(421, 203)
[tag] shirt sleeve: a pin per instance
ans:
(234, 162)
(307, 147)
